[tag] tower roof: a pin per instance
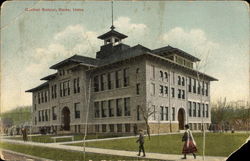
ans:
(112, 33)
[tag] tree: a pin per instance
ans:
(147, 112)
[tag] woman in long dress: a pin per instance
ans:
(189, 143)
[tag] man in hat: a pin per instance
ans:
(140, 140)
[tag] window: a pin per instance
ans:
(68, 89)
(96, 84)
(104, 128)
(54, 115)
(207, 110)
(194, 85)
(183, 94)
(111, 108)
(161, 75)
(189, 84)
(161, 90)
(162, 113)
(138, 112)
(172, 90)
(119, 127)
(183, 81)
(166, 113)
(119, 107)
(194, 109)
(138, 88)
(206, 89)
(166, 90)
(173, 113)
(179, 93)
(34, 107)
(118, 79)
(103, 82)
(179, 80)
(199, 88)
(166, 76)
(127, 106)
(42, 97)
(76, 85)
(77, 110)
(104, 108)
(61, 89)
(203, 110)
(127, 127)
(52, 91)
(97, 128)
(39, 98)
(97, 110)
(202, 90)
(199, 110)
(111, 128)
(42, 115)
(152, 89)
(45, 96)
(110, 81)
(190, 108)
(65, 88)
(39, 116)
(46, 115)
(125, 77)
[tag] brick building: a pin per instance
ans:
(111, 92)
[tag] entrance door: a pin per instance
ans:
(66, 118)
(181, 118)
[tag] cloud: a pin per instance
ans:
(194, 41)
(134, 30)
(74, 39)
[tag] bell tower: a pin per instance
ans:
(112, 37)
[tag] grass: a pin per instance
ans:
(57, 154)
(48, 139)
(217, 144)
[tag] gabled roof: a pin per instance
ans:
(49, 77)
(112, 33)
(46, 84)
(76, 59)
(168, 50)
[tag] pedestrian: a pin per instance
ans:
(140, 140)
(24, 132)
(189, 143)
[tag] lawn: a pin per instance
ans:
(48, 139)
(57, 154)
(217, 144)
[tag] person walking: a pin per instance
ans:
(140, 140)
(189, 143)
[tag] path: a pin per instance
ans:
(168, 157)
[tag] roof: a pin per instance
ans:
(167, 50)
(46, 84)
(77, 59)
(112, 33)
(140, 50)
(49, 77)
(124, 54)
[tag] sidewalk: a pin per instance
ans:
(166, 157)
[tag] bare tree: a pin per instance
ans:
(147, 112)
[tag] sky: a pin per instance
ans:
(32, 41)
